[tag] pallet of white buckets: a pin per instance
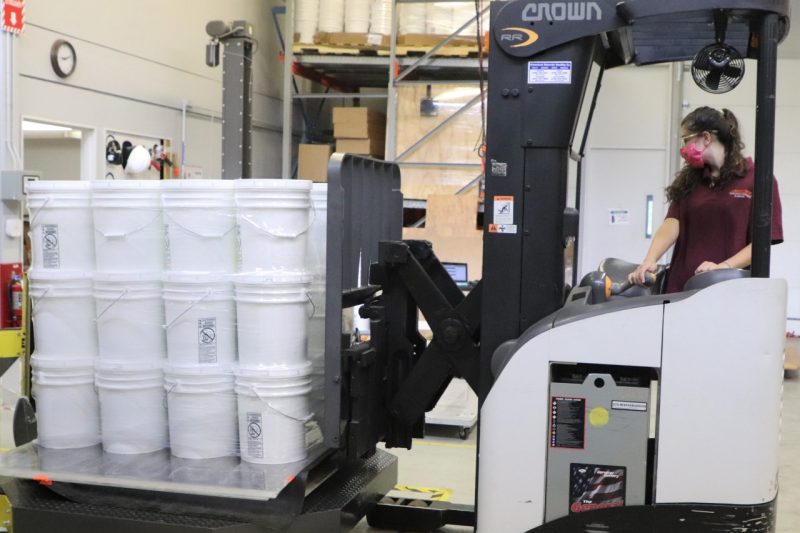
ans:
(183, 314)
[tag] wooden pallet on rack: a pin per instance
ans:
(321, 49)
(445, 51)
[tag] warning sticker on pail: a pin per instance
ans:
(50, 255)
(255, 436)
(207, 340)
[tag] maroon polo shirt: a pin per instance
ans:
(714, 224)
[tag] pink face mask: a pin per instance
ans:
(693, 155)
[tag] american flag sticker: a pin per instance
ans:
(595, 487)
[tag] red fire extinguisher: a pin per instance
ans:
(15, 300)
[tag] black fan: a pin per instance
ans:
(718, 68)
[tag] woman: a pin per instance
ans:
(710, 208)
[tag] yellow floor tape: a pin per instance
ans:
(437, 495)
(5, 515)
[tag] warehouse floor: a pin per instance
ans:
(443, 461)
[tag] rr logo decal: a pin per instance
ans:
(521, 36)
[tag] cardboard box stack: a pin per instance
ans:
(313, 162)
(359, 130)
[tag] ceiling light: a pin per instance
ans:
(28, 125)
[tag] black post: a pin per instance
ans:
(761, 229)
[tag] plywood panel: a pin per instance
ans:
(457, 142)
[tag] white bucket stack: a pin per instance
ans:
(202, 253)
(275, 220)
(306, 15)
(63, 313)
(317, 252)
(176, 315)
(129, 253)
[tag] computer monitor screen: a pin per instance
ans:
(457, 271)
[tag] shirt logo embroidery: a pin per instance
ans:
(742, 193)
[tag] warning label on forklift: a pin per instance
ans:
(549, 72)
(503, 228)
(503, 210)
(595, 487)
(50, 255)
(567, 422)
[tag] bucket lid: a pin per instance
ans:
(196, 184)
(195, 277)
(272, 185)
(39, 362)
(35, 186)
(126, 185)
(257, 373)
(128, 367)
(36, 274)
(272, 277)
(127, 277)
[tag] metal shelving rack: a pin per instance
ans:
(345, 75)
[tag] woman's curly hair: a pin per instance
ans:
(725, 126)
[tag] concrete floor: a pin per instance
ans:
(442, 460)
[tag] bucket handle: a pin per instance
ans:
(313, 306)
(304, 419)
(194, 303)
(35, 300)
(284, 235)
(122, 295)
(31, 215)
(197, 234)
(126, 233)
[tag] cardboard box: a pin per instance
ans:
(358, 123)
(312, 162)
(374, 147)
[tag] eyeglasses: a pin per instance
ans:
(689, 137)
(686, 138)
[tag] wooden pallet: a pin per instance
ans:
(445, 51)
(358, 44)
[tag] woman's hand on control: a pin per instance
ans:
(707, 266)
(637, 276)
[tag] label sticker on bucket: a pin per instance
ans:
(207, 340)
(167, 255)
(255, 436)
(50, 246)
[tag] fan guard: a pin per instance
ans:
(718, 68)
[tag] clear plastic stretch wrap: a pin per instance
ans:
(306, 20)
(457, 142)
(179, 334)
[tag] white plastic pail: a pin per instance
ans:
(200, 318)
(273, 411)
(130, 317)
(202, 412)
(317, 235)
(133, 412)
(61, 225)
(316, 323)
(272, 311)
(274, 218)
(128, 228)
(63, 313)
(200, 225)
(67, 411)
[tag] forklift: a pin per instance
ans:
(602, 407)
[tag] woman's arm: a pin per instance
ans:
(740, 259)
(664, 238)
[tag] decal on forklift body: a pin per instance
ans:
(620, 405)
(593, 487)
(503, 228)
(557, 11)
(499, 168)
(549, 72)
(567, 422)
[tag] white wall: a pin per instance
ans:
(634, 116)
(55, 158)
(137, 63)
